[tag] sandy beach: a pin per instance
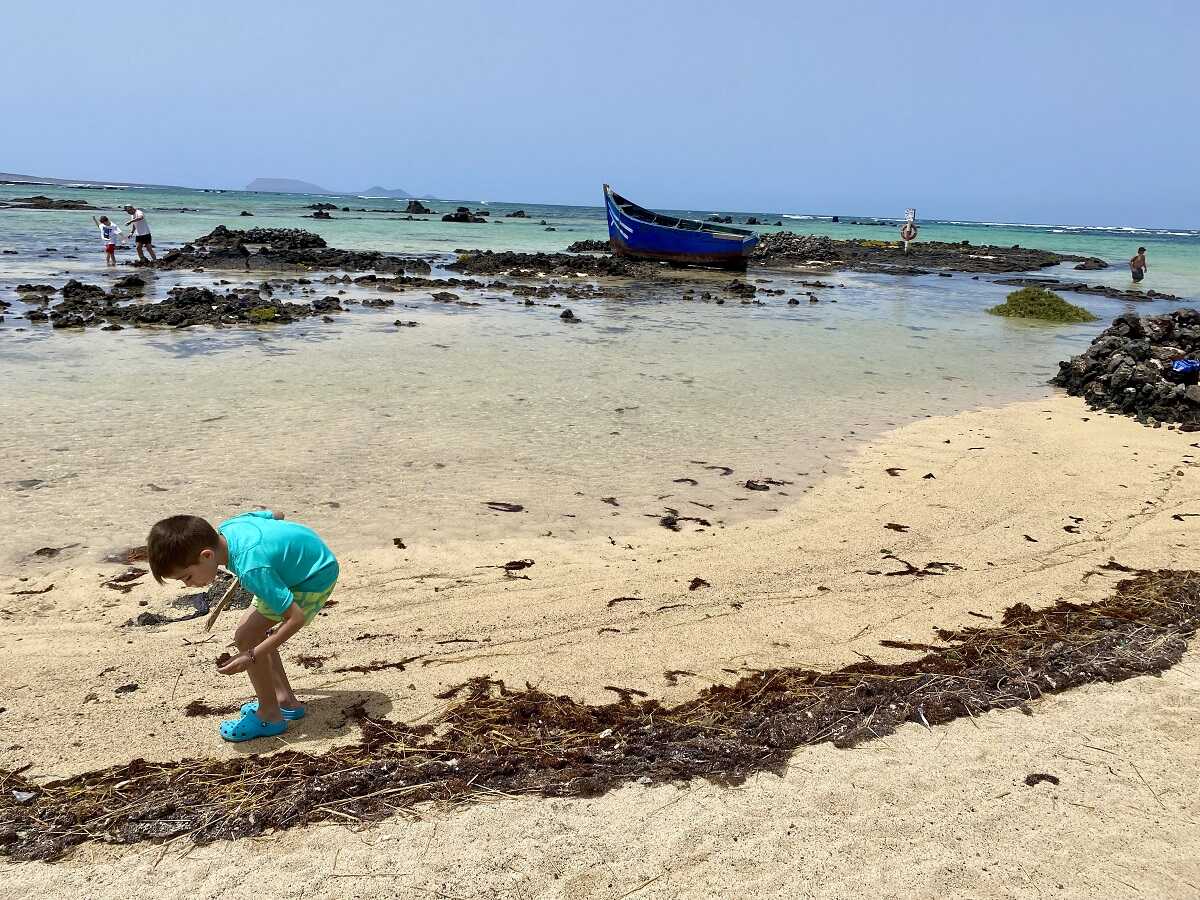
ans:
(1027, 502)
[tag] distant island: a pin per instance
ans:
(295, 186)
(13, 178)
(287, 186)
(394, 193)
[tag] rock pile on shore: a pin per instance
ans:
(1128, 369)
(279, 249)
(589, 247)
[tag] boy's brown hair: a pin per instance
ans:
(175, 543)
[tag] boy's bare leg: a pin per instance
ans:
(153, 255)
(283, 688)
(250, 632)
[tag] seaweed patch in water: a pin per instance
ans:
(526, 741)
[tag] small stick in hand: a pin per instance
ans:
(221, 604)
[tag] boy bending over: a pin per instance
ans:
(291, 573)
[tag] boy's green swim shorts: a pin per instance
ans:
(310, 603)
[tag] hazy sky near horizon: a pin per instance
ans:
(1023, 111)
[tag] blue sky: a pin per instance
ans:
(1022, 111)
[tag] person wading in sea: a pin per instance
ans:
(1138, 265)
(141, 231)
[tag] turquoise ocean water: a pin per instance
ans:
(1174, 253)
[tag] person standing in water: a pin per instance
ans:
(1138, 265)
(141, 232)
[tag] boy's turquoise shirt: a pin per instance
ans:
(273, 557)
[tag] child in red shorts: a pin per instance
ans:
(109, 233)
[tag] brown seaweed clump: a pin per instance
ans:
(525, 741)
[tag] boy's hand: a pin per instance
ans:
(239, 663)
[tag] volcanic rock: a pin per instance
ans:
(589, 247)
(280, 249)
(42, 202)
(462, 214)
(1128, 369)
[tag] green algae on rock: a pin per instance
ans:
(1039, 303)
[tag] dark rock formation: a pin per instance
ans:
(721, 220)
(589, 247)
(41, 202)
(519, 214)
(280, 249)
(417, 208)
(1079, 287)
(273, 238)
(131, 283)
(87, 306)
(1127, 369)
(1090, 264)
(321, 214)
(752, 221)
(321, 206)
(76, 290)
(462, 214)
(786, 247)
(245, 213)
(529, 264)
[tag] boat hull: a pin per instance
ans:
(691, 245)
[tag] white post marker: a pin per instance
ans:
(908, 231)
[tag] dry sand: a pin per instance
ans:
(923, 813)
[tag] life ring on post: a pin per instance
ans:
(908, 232)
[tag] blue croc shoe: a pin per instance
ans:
(249, 727)
(290, 713)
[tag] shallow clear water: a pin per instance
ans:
(1174, 253)
(370, 432)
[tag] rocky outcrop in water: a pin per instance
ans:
(87, 305)
(529, 264)
(1128, 369)
(42, 202)
(280, 249)
(519, 214)
(786, 247)
(1079, 287)
(462, 214)
(417, 208)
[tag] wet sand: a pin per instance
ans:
(1028, 500)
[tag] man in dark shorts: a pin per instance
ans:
(141, 231)
(1138, 265)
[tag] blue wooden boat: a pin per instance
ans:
(643, 234)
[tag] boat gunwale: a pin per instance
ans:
(725, 232)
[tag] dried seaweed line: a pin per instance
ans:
(501, 741)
